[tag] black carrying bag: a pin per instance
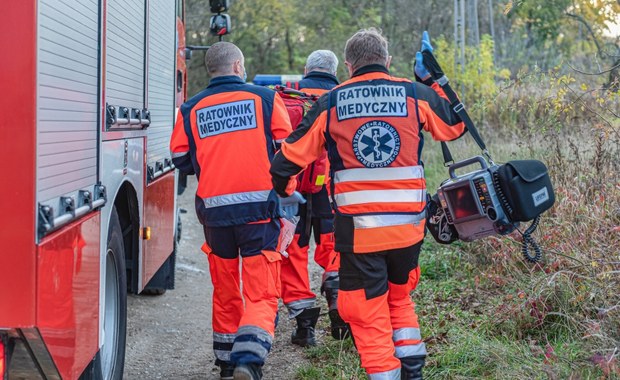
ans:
(526, 187)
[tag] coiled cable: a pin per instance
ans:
(500, 193)
(529, 244)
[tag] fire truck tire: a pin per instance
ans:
(109, 362)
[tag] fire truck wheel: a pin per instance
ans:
(109, 362)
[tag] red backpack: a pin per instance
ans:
(297, 103)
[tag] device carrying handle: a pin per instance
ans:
(431, 64)
(470, 161)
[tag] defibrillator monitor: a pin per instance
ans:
(461, 201)
(471, 204)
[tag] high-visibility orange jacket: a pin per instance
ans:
(227, 135)
(372, 127)
(317, 83)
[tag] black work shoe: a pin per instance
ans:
(226, 370)
(411, 368)
(304, 334)
(340, 329)
(248, 372)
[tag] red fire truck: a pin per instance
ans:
(88, 201)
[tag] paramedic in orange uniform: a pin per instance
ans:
(372, 127)
(316, 216)
(227, 135)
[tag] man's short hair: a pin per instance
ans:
(322, 60)
(221, 56)
(366, 47)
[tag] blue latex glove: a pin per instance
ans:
(290, 205)
(426, 42)
(419, 68)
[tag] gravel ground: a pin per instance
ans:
(169, 336)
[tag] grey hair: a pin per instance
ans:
(366, 47)
(221, 56)
(322, 60)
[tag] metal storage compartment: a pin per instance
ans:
(124, 82)
(160, 84)
(67, 106)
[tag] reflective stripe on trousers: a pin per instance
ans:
(387, 375)
(411, 350)
(236, 198)
(252, 340)
(297, 307)
(222, 345)
(406, 333)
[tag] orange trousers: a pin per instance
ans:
(296, 293)
(375, 300)
(244, 320)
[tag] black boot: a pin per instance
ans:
(340, 330)
(411, 367)
(226, 369)
(304, 334)
(248, 372)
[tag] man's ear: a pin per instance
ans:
(388, 62)
(349, 67)
(238, 67)
(305, 71)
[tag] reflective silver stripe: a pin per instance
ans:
(297, 307)
(411, 350)
(373, 221)
(280, 141)
(406, 333)
(223, 338)
(236, 198)
(222, 355)
(379, 174)
(178, 154)
(329, 277)
(253, 347)
(388, 375)
(380, 196)
(256, 331)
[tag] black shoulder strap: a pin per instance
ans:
(437, 73)
(447, 156)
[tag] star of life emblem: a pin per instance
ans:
(376, 144)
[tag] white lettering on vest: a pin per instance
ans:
(228, 117)
(379, 100)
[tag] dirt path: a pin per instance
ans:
(169, 336)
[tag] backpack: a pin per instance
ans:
(297, 103)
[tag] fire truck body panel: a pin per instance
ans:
(87, 122)
(68, 294)
(160, 217)
(17, 135)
